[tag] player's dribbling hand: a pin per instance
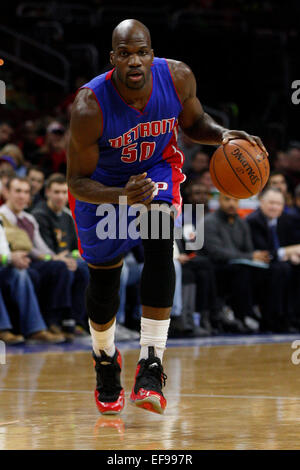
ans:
(253, 139)
(139, 189)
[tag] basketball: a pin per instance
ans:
(239, 169)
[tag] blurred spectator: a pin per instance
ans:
(197, 193)
(14, 152)
(295, 212)
(51, 157)
(51, 277)
(64, 108)
(6, 132)
(36, 180)
(227, 241)
(203, 177)
(6, 327)
(58, 231)
(278, 180)
(293, 170)
(272, 231)
(7, 165)
(280, 161)
(20, 295)
(130, 276)
(188, 148)
(199, 161)
(5, 176)
(198, 282)
(28, 139)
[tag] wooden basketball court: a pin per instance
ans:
(219, 397)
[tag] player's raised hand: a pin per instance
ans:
(253, 139)
(139, 189)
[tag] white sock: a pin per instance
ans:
(153, 333)
(104, 340)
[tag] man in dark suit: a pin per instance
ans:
(227, 242)
(273, 230)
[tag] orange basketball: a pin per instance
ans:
(239, 169)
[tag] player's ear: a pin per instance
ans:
(112, 58)
(152, 53)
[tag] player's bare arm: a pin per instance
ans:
(83, 155)
(195, 123)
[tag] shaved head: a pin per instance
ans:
(128, 31)
(132, 55)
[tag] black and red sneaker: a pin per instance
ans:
(149, 380)
(109, 394)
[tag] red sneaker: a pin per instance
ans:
(109, 394)
(149, 380)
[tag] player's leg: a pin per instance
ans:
(102, 303)
(157, 292)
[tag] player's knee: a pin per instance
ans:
(102, 294)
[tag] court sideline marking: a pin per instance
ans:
(196, 395)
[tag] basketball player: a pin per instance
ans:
(124, 143)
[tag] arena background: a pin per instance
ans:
(228, 391)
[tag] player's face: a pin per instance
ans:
(132, 60)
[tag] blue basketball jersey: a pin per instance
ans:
(133, 142)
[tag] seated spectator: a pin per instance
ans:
(130, 277)
(295, 212)
(28, 139)
(58, 231)
(51, 157)
(6, 327)
(280, 161)
(293, 159)
(272, 231)
(14, 152)
(51, 276)
(36, 179)
(278, 180)
(188, 147)
(199, 161)
(195, 270)
(227, 242)
(7, 165)
(203, 177)
(5, 176)
(19, 294)
(6, 132)
(197, 193)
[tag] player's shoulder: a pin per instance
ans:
(179, 69)
(86, 102)
(183, 78)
